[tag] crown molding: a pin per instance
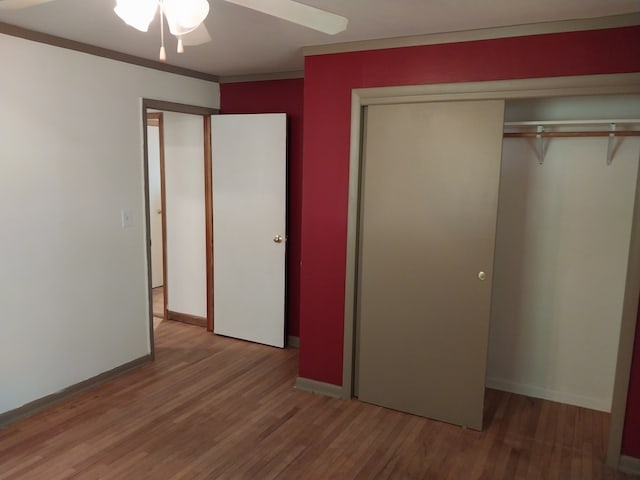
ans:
(576, 25)
(15, 31)
(262, 77)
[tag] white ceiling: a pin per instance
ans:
(248, 42)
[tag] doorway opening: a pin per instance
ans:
(157, 230)
(250, 184)
(179, 221)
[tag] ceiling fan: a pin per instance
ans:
(185, 17)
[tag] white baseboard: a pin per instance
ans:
(629, 465)
(535, 391)
(293, 341)
(322, 388)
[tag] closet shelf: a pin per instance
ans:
(620, 121)
(541, 133)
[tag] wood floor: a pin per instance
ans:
(211, 407)
(158, 306)
(158, 301)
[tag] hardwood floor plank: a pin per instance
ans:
(212, 407)
(374, 460)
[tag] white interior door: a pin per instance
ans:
(249, 199)
(155, 205)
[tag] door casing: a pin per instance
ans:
(616, 84)
(155, 119)
(206, 113)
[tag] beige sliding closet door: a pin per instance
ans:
(430, 180)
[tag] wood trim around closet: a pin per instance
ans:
(628, 83)
(208, 213)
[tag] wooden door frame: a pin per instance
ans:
(156, 119)
(205, 113)
(495, 90)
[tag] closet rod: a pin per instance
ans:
(541, 133)
(599, 133)
(535, 123)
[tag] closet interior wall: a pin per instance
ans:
(562, 247)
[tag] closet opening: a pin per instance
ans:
(566, 270)
(565, 214)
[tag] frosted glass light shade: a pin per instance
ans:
(183, 16)
(137, 13)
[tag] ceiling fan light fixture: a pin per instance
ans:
(137, 13)
(184, 16)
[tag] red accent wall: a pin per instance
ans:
(279, 96)
(327, 101)
(631, 436)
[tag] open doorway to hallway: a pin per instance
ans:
(155, 181)
(177, 158)
(158, 305)
(251, 182)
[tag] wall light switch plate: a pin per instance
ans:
(126, 217)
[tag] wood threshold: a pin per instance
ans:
(186, 318)
(49, 401)
(55, 41)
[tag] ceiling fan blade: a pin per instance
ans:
(17, 4)
(299, 13)
(197, 37)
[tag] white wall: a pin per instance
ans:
(185, 213)
(561, 254)
(73, 282)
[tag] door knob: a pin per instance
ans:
(277, 239)
(482, 275)
(159, 211)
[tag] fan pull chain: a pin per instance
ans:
(163, 53)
